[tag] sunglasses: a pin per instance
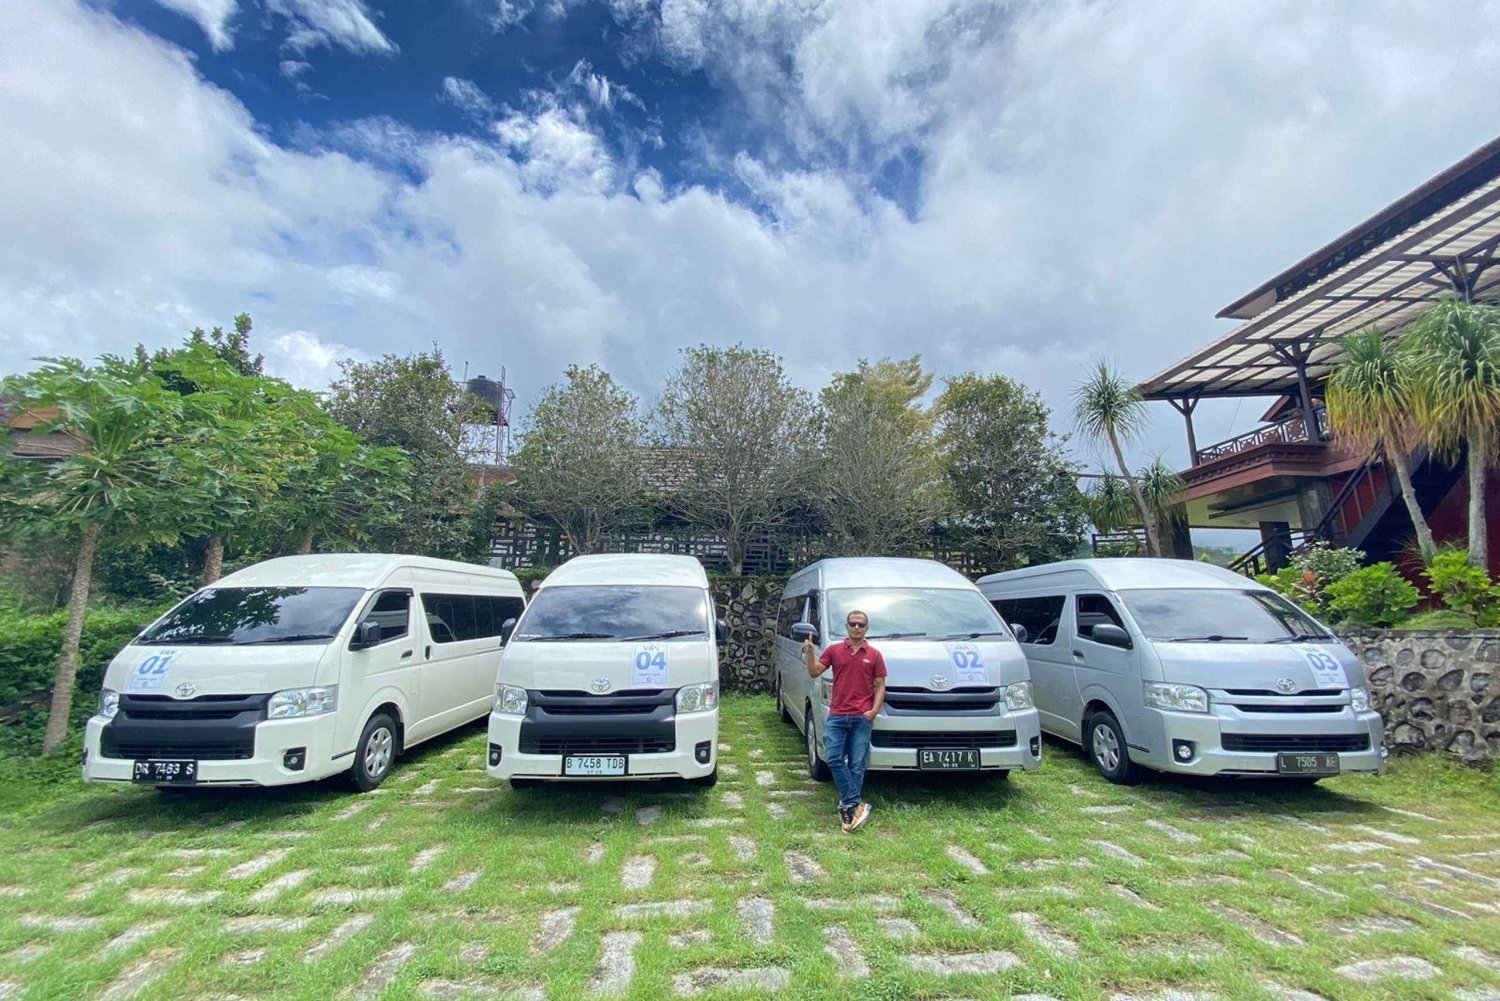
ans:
(857, 625)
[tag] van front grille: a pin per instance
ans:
(958, 700)
(1271, 742)
(597, 745)
(926, 738)
(206, 751)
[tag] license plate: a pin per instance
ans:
(1307, 763)
(590, 765)
(164, 770)
(941, 758)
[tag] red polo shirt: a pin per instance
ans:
(854, 674)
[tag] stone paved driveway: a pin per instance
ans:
(1050, 885)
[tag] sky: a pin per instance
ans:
(1015, 188)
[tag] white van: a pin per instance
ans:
(302, 667)
(1187, 667)
(957, 697)
(612, 673)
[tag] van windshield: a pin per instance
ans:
(614, 612)
(1220, 615)
(240, 616)
(931, 612)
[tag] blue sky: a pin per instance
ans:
(1014, 187)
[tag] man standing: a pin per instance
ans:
(858, 692)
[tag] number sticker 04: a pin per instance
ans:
(649, 667)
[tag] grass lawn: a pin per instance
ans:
(1052, 884)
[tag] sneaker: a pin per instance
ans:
(846, 816)
(857, 819)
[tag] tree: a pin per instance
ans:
(343, 488)
(879, 480)
(413, 404)
(1107, 408)
(747, 431)
(130, 444)
(1110, 505)
(1455, 349)
(1369, 401)
(579, 464)
(1160, 487)
(233, 349)
(1013, 488)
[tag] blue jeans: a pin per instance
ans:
(846, 744)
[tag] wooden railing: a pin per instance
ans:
(1292, 429)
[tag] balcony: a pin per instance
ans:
(1291, 430)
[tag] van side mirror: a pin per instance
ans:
(1110, 635)
(805, 631)
(721, 632)
(506, 628)
(1022, 636)
(366, 635)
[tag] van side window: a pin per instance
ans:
(1041, 616)
(1093, 610)
(788, 615)
(392, 609)
(812, 614)
(452, 618)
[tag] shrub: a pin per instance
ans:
(1372, 596)
(1290, 583)
(1464, 588)
(1442, 618)
(1330, 565)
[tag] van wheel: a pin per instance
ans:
(1106, 746)
(816, 766)
(786, 716)
(706, 781)
(375, 753)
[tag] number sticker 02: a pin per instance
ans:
(968, 664)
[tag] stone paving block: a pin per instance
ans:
(968, 861)
(696, 936)
(1478, 994)
(1369, 971)
(257, 865)
(380, 975)
(846, 953)
(898, 928)
(1177, 834)
(637, 872)
(555, 929)
(139, 975)
(1384, 835)
(1117, 852)
(462, 882)
(131, 936)
(1170, 994)
(758, 978)
(343, 896)
(1048, 938)
(452, 990)
(425, 857)
(802, 869)
(1127, 894)
(258, 925)
(1477, 956)
(647, 815)
(10, 989)
(338, 937)
(1281, 992)
(744, 849)
(28, 953)
(245, 957)
(758, 915)
(671, 908)
(1458, 872)
(1308, 884)
(944, 901)
(172, 897)
(593, 853)
(948, 964)
(616, 962)
(1252, 924)
(279, 885)
(1372, 925)
(59, 924)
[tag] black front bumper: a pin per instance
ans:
(641, 722)
(208, 728)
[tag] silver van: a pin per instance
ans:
(957, 696)
(1187, 667)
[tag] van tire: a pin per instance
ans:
(1104, 742)
(817, 768)
(705, 781)
(375, 753)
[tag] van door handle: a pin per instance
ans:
(406, 654)
(1078, 654)
(427, 652)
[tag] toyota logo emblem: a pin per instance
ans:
(1286, 685)
(941, 682)
(186, 690)
(599, 686)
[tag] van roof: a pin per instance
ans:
(884, 571)
(350, 570)
(1124, 573)
(629, 568)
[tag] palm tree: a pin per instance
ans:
(1369, 401)
(1161, 486)
(1110, 506)
(1456, 356)
(1107, 408)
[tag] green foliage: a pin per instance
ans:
(1375, 595)
(1464, 589)
(1290, 583)
(1109, 504)
(1014, 489)
(1455, 353)
(29, 655)
(1328, 563)
(1107, 408)
(1440, 618)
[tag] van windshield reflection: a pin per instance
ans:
(244, 616)
(915, 612)
(1220, 615)
(614, 612)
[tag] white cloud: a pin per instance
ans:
(293, 68)
(467, 97)
(601, 90)
(305, 359)
(211, 15)
(1091, 180)
(346, 23)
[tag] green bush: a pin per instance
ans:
(28, 659)
(1464, 588)
(1372, 596)
(1288, 583)
(1442, 618)
(1330, 565)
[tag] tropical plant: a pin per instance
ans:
(879, 482)
(1161, 487)
(1369, 401)
(1375, 595)
(1014, 488)
(1455, 349)
(579, 467)
(1106, 408)
(1463, 587)
(1109, 503)
(342, 489)
(1329, 564)
(129, 448)
(747, 433)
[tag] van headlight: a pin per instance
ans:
(297, 702)
(510, 700)
(109, 703)
(1359, 699)
(1018, 696)
(698, 698)
(1178, 698)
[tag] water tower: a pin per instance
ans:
(495, 432)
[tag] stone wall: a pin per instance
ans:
(1438, 691)
(748, 605)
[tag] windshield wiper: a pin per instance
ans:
(1210, 638)
(568, 636)
(1303, 638)
(977, 634)
(294, 638)
(183, 640)
(668, 634)
(893, 636)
